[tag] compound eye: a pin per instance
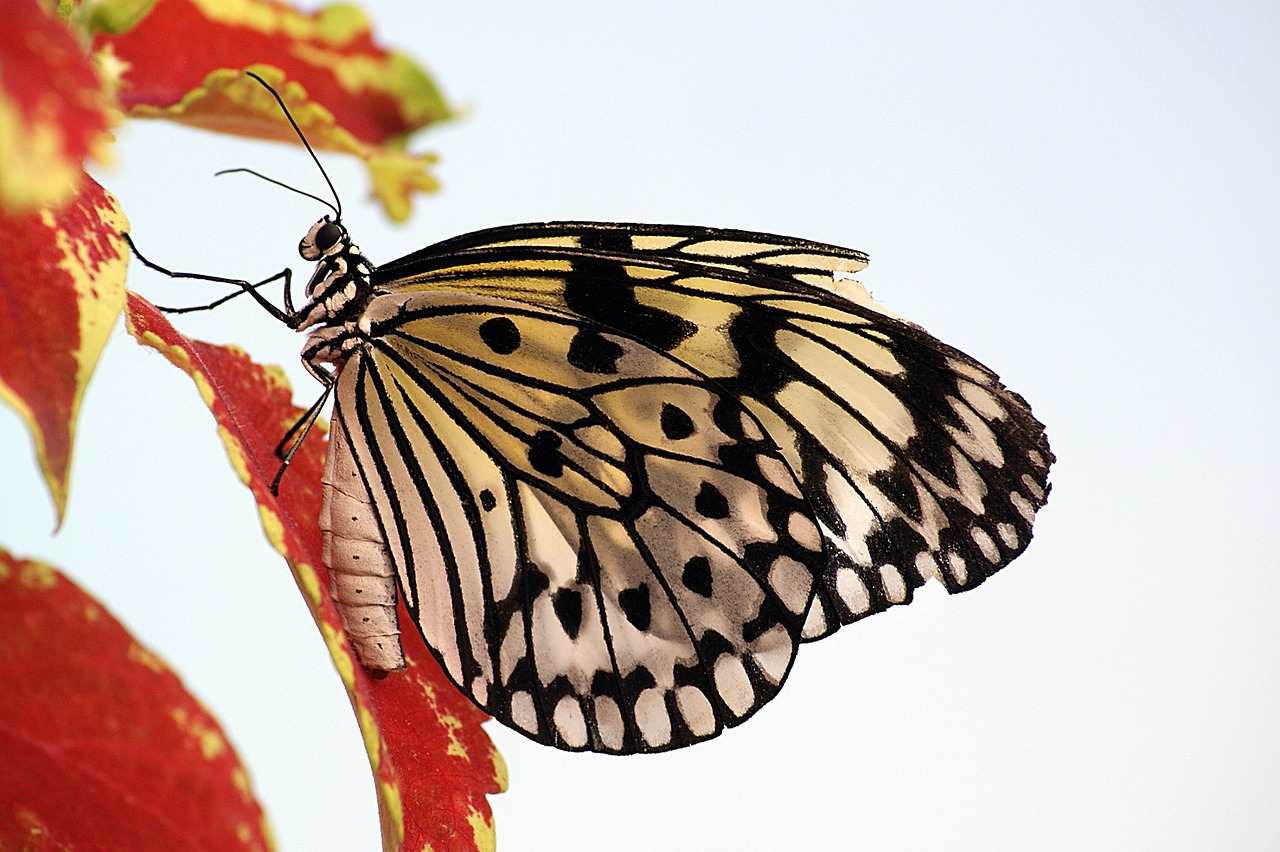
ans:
(328, 236)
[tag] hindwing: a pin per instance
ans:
(603, 548)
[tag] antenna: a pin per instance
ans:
(280, 183)
(305, 143)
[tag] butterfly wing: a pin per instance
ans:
(915, 458)
(602, 548)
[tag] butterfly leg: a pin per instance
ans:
(216, 302)
(303, 422)
(285, 275)
(301, 428)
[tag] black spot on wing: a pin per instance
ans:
(501, 335)
(592, 352)
(713, 644)
(727, 415)
(567, 604)
(544, 453)
(636, 606)
(604, 684)
(697, 576)
(601, 290)
(638, 680)
(760, 365)
(676, 424)
(711, 502)
(487, 500)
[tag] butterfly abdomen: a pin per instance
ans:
(361, 575)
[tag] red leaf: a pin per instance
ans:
(432, 762)
(53, 109)
(61, 288)
(348, 94)
(376, 94)
(103, 746)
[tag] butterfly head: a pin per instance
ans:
(325, 239)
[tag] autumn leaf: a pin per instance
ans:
(54, 110)
(433, 764)
(346, 92)
(103, 747)
(62, 273)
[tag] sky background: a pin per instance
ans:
(1085, 196)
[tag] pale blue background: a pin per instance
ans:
(1082, 195)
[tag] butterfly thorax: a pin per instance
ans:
(339, 288)
(337, 293)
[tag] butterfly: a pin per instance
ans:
(620, 473)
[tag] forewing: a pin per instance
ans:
(604, 550)
(916, 460)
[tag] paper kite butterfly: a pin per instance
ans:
(620, 473)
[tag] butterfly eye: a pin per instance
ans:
(328, 236)
(321, 239)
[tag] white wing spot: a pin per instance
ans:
(722, 248)
(772, 652)
(958, 568)
(523, 713)
(570, 723)
(791, 582)
(1033, 487)
(971, 488)
(928, 566)
(853, 591)
(733, 685)
(1023, 506)
(696, 710)
(815, 623)
(513, 647)
(895, 587)
(1008, 534)
(480, 690)
(859, 520)
(970, 371)
(777, 474)
(651, 716)
(975, 436)
(804, 531)
(982, 400)
(609, 722)
(750, 430)
(645, 242)
(986, 544)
